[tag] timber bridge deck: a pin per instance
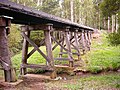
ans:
(72, 35)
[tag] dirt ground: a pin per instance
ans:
(40, 82)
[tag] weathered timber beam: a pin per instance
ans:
(83, 42)
(67, 39)
(62, 59)
(9, 74)
(35, 27)
(43, 67)
(67, 53)
(89, 37)
(87, 40)
(76, 42)
(23, 71)
(48, 44)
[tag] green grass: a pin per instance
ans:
(36, 58)
(109, 81)
(102, 56)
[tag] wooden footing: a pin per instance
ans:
(53, 75)
(71, 63)
(10, 75)
(23, 71)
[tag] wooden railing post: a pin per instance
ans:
(24, 53)
(71, 62)
(5, 60)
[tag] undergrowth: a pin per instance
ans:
(103, 56)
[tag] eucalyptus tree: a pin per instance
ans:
(110, 8)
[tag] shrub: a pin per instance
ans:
(94, 69)
(37, 36)
(114, 38)
(14, 40)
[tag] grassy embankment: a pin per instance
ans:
(103, 56)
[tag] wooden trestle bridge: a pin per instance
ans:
(72, 35)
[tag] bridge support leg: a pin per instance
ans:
(83, 41)
(5, 60)
(76, 43)
(87, 41)
(23, 71)
(71, 62)
(48, 44)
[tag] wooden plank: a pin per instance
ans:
(34, 66)
(61, 59)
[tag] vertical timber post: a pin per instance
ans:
(76, 42)
(9, 73)
(61, 49)
(89, 36)
(83, 41)
(48, 44)
(87, 40)
(24, 53)
(68, 46)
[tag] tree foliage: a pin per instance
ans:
(110, 7)
(15, 40)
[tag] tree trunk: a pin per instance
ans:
(108, 24)
(104, 21)
(113, 23)
(71, 6)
